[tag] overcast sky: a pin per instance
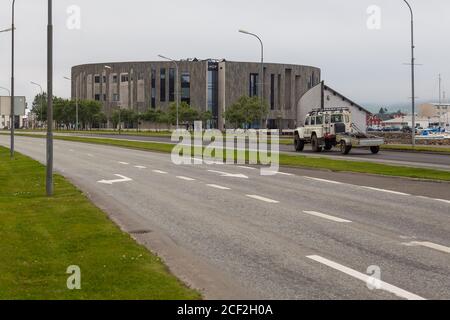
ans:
(366, 65)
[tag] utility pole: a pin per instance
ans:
(413, 89)
(49, 177)
(441, 109)
(13, 113)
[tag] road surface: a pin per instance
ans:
(418, 159)
(300, 234)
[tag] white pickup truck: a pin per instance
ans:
(328, 128)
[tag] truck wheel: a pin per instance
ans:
(299, 145)
(345, 149)
(375, 150)
(315, 144)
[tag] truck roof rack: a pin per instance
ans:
(315, 111)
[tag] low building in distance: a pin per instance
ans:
(20, 105)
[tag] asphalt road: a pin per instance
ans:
(426, 160)
(298, 235)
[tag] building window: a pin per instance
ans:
(153, 93)
(124, 78)
(104, 97)
(116, 97)
(171, 85)
(213, 94)
(114, 78)
(140, 76)
(97, 97)
(104, 79)
(272, 92)
(97, 79)
(253, 90)
(186, 88)
(162, 78)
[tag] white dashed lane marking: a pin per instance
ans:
(159, 171)
(262, 198)
(367, 279)
(323, 180)
(185, 178)
(429, 245)
(326, 216)
(215, 186)
(387, 191)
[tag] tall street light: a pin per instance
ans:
(42, 97)
(13, 114)
(49, 177)
(6, 30)
(413, 60)
(106, 104)
(176, 85)
(7, 90)
(261, 90)
(76, 105)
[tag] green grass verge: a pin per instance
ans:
(431, 149)
(289, 160)
(41, 237)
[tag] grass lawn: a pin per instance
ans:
(41, 237)
(289, 160)
(418, 148)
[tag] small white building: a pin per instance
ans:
(5, 111)
(322, 96)
(406, 121)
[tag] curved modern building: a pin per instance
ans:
(206, 85)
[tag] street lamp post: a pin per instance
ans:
(261, 90)
(42, 97)
(177, 94)
(76, 105)
(120, 120)
(49, 177)
(13, 114)
(412, 76)
(107, 104)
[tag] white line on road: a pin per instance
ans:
(442, 200)
(140, 167)
(387, 191)
(110, 182)
(124, 163)
(185, 178)
(429, 245)
(229, 175)
(218, 187)
(280, 173)
(248, 168)
(326, 216)
(367, 279)
(159, 171)
(262, 198)
(323, 180)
